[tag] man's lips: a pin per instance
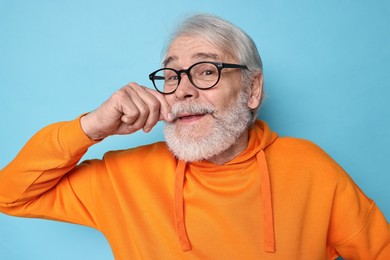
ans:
(189, 117)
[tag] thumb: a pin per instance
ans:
(165, 108)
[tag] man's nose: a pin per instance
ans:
(186, 89)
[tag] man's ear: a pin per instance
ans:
(255, 91)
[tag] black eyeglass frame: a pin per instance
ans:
(218, 65)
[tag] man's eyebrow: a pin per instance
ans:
(199, 55)
(212, 56)
(168, 60)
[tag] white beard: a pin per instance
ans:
(190, 143)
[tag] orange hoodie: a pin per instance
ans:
(282, 198)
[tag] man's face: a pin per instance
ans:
(184, 52)
(208, 122)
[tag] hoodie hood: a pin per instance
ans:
(260, 137)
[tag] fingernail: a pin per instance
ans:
(170, 117)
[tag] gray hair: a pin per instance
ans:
(228, 38)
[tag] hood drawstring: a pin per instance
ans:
(179, 206)
(266, 203)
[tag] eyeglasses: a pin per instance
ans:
(203, 75)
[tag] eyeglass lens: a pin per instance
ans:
(202, 75)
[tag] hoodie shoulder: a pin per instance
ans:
(301, 153)
(296, 147)
(296, 143)
(155, 151)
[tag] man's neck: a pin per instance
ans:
(233, 151)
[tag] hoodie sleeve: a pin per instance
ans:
(43, 180)
(358, 229)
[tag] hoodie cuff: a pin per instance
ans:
(72, 138)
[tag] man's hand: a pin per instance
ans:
(128, 110)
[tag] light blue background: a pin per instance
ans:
(327, 74)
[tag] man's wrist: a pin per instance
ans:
(87, 128)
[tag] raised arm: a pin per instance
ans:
(45, 172)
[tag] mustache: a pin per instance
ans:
(192, 108)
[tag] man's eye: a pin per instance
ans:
(208, 73)
(172, 78)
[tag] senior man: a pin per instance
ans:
(223, 186)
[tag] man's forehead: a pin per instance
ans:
(192, 47)
(195, 56)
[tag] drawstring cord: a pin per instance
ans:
(179, 206)
(266, 202)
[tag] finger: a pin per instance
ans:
(153, 105)
(136, 112)
(165, 108)
(124, 114)
(121, 102)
